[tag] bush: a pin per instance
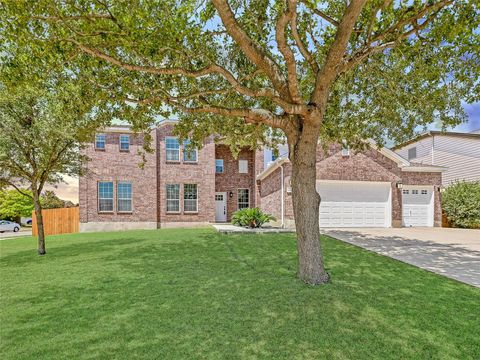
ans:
(461, 204)
(251, 217)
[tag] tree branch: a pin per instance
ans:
(252, 51)
(301, 46)
(286, 51)
(330, 69)
(320, 13)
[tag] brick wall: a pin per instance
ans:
(368, 165)
(201, 173)
(231, 180)
(113, 165)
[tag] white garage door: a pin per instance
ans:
(354, 204)
(417, 206)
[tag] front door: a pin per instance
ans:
(220, 207)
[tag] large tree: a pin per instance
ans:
(42, 129)
(257, 70)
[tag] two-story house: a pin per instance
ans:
(181, 186)
(458, 152)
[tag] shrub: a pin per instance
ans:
(461, 204)
(251, 217)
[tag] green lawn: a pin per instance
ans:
(195, 294)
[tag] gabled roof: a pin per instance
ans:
(402, 163)
(475, 135)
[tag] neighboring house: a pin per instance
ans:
(178, 186)
(458, 152)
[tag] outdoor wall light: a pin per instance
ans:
(399, 185)
(230, 194)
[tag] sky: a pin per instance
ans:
(69, 190)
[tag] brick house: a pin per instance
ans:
(179, 186)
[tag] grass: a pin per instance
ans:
(196, 294)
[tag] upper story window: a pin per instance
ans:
(173, 198)
(243, 198)
(412, 153)
(189, 154)
(243, 166)
(124, 142)
(124, 196)
(100, 141)
(105, 196)
(190, 198)
(274, 157)
(172, 148)
(345, 149)
(219, 166)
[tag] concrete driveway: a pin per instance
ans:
(454, 253)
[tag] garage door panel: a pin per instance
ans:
(354, 204)
(417, 207)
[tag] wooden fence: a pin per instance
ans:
(58, 221)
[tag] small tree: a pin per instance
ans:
(14, 205)
(50, 200)
(254, 70)
(42, 128)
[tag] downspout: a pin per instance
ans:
(282, 197)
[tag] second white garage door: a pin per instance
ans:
(354, 204)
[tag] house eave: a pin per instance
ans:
(272, 167)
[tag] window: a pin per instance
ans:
(105, 196)
(218, 197)
(219, 166)
(243, 166)
(274, 157)
(190, 198)
(424, 192)
(173, 198)
(124, 196)
(189, 154)
(243, 198)
(414, 192)
(406, 192)
(345, 149)
(124, 142)
(412, 153)
(173, 149)
(100, 140)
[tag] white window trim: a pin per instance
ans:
(179, 201)
(238, 202)
(120, 143)
(167, 149)
(239, 167)
(185, 211)
(104, 142)
(131, 199)
(189, 161)
(98, 198)
(223, 167)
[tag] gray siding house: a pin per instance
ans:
(458, 152)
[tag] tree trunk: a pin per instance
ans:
(40, 230)
(306, 203)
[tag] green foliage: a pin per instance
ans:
(50, 200)
(13, 204)
(251, 217)
(120, 50)
(461, 204)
